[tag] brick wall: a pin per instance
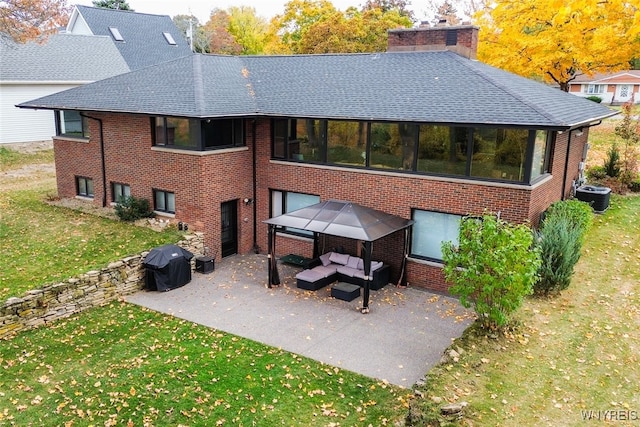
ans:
(435, 38)
(200, 182)
(203, 182)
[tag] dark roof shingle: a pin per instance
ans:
(144, 44)
(430, 87)
(61, 58)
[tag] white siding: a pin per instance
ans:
(22, 125)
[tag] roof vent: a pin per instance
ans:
(169, 38)
(116, 34)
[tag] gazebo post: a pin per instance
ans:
(367, 279)
(274, 277)
(316, 248)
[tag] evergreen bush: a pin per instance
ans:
(612, 162)
(559, 240)
(132, 208)
(594, 99)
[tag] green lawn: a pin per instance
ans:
(123, 365)
(41, 243)
(569, 357)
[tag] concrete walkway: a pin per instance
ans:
(403, 336)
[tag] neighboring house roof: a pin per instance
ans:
(143, 42)
(625, 76)
(62, 58)
(432, 87)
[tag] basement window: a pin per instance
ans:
(115, 33)
(169, 38)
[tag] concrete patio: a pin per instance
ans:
(402, 337)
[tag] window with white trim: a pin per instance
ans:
(592, 89)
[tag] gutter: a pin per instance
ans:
(102, 160)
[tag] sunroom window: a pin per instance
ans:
(72, 123)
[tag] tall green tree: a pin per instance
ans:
(298, 16)
(23, 20)
(318, 27)
(556, 40)
(248, 29)
(364, 31)
(112, 4)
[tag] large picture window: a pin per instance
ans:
(194, 134)
(223, 133)
(484, 153)
(393, 145)
(71, 123)
(430, 230)
(299, 139)
(283, 202)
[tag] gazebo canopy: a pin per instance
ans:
(346, 219)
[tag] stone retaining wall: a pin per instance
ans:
(56, 301)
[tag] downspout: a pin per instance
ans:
(566, 167)
(102, 160)
(256, 249)
(566, 161)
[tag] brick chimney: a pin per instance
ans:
(461, 39)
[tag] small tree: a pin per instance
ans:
(493, 268)
(629, 131)
(559, 240)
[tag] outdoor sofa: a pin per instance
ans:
(334, 266)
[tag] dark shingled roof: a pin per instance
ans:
(430, 87)
(143, 43)
(61, 58)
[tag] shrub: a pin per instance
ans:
(493, 268)
(612, 162)
(596, 173)
(559, 243)
(635, 186)
(559, 240)
(132, 208)
(579, 214)
(594, 99)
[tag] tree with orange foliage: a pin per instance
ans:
(23, 20)
(557, 40)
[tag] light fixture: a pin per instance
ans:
(248, 201)
(579, 132)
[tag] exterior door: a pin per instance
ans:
(229, 231)
(624, 93)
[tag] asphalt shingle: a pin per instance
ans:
(61, 58)
(431, 87)
(144, 44)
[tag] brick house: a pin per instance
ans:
(422, 131)
(613, 88)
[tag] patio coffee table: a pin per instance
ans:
(345, 291)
